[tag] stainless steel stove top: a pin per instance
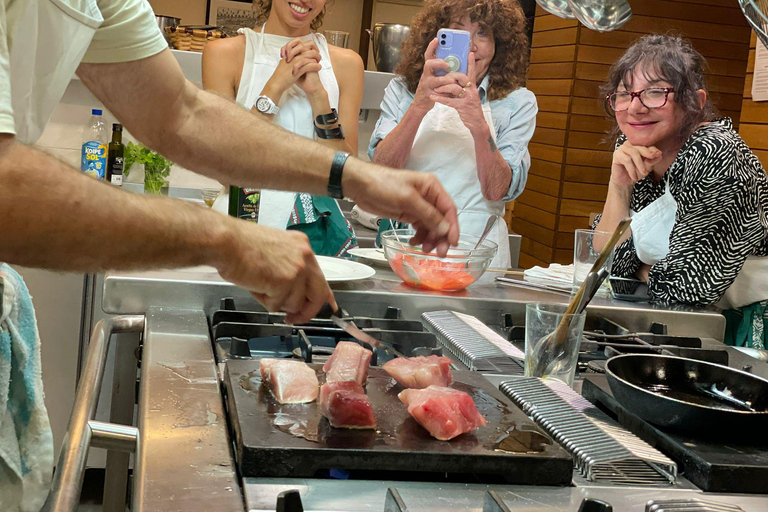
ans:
(184, 462)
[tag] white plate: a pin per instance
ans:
(337, 270)
(372, 256)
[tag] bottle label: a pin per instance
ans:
(117, 180)
(248, 207)
(93, 160)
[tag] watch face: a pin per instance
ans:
(263, 105)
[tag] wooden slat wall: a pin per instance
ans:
(754, 115)
(571, 159)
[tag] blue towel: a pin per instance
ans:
(26, 442)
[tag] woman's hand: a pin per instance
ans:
(428, 83)
(305, 58)
(633, 163)
(297, 59)
(464, 97)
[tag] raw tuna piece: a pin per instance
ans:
(444, 412)
(420, 372)
(291, 382)
(349, 361)
(345, 405)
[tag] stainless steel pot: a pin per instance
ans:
(387, 39)
(166, 21)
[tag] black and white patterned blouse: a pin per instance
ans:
(721, 191)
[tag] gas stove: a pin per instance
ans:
(238, 334)
(186, 462)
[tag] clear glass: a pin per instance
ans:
(542, 358)
(337, 38)
(585, 255)
(210, 195)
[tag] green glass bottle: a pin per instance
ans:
(244, 203)
(115, 155)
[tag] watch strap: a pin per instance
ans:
(327, 119)
(334, 181)
(329, 133)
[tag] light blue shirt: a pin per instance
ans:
(514, 119)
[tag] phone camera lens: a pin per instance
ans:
(442, 42)
(443, 36)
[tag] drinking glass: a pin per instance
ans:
(585, 254)
(210, 195)
(541, 321)
(337, 38)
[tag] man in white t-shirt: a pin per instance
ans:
(81, 225)
(52, 216)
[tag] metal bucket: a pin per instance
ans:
(387, 39)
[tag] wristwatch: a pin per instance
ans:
(265, 105)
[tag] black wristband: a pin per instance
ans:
(334, 181)
(326, 119)
(329, 133)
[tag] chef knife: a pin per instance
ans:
(354, 331)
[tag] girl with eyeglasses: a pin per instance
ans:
(697, 194)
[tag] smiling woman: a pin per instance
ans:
(285, 72)
(470, 130)
(697, 195)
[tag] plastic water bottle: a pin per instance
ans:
(93, 160)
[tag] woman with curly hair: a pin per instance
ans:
(472, 130)
(289, 74)
(697, 194)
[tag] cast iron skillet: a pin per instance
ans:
(688, 396)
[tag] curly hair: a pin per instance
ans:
(265, 7)
(504, 19)
(671, 59)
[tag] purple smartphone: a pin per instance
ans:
(453, 48)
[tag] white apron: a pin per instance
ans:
(262, 55)
(443, 146)
(651, 229)
(49, 39)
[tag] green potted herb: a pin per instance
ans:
(156, 167)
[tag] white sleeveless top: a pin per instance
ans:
(262, 55)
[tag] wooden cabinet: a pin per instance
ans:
(570, 154)
(753, 127)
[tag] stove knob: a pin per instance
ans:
(594, 505)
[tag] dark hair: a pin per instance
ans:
(265, 7)
(672, 59)
(505, 20)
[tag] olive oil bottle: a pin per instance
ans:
(115, 156)
(244, 203)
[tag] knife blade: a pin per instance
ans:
(354, 331)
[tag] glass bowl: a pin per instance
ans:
(461, 267)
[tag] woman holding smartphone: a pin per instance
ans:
(289, 74)
(471, 130)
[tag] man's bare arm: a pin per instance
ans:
(212, 136)
(57, 218)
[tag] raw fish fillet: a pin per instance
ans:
(291, 382)
(345, 405)
(420, 372)
(349, 361)
(444, 412)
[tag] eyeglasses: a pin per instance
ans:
(652, 97)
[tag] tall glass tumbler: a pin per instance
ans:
(541, 321)
(586, 248)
